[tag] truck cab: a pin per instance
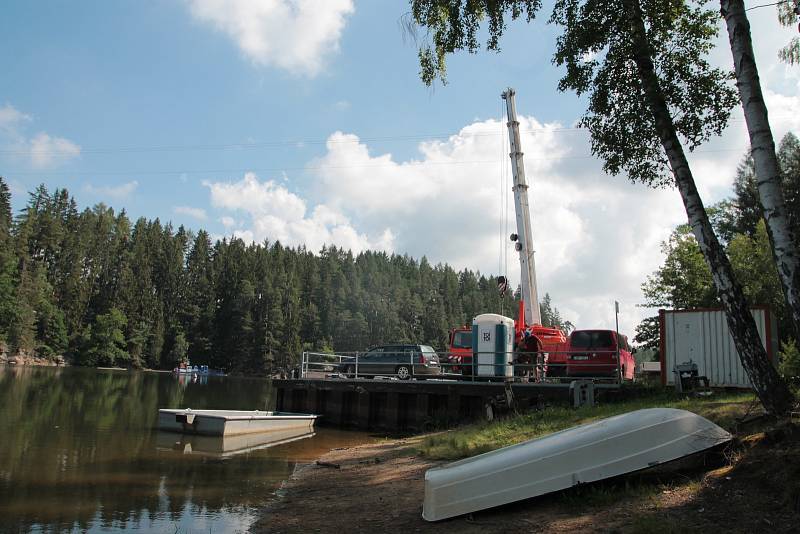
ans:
(459, 351)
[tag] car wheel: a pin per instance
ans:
(403, 372)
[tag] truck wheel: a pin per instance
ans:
(403, 372)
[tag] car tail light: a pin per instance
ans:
(421, 358)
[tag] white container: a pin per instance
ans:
(702, 336)
(493, 345)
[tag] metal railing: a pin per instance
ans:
(539, 367)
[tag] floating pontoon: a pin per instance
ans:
(231, 422)
(587, 453)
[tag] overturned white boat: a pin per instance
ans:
(586, 453)
(231, 422)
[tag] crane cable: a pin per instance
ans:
(504, 209)
(500, 266)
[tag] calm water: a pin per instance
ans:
(79, 452)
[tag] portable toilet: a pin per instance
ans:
(492, 346)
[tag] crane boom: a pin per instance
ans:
(524, 244)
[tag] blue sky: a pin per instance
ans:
(310, 125)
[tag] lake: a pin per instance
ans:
(79, 452)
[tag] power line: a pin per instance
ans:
(297, 143)
(294, 143)
(316, 167)
(767, 5)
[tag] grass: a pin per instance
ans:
(722, 408)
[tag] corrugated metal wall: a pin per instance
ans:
(703, 337)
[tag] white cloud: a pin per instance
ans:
(294, 35)
(277, 214)
(118, 192)
(47, 151)
(42, 150)
(197, 213)
(596, 237)
(342, 105)
(11, 118)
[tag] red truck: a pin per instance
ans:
(459, 350)
(529, 341)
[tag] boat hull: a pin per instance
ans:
(231, 422)
(587, 453)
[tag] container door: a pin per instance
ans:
(689, 340)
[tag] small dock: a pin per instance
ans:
(416, 405)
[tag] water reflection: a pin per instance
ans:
(225, 446)
(79, 451)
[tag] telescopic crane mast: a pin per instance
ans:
(524, 235)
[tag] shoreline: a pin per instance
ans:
(380, 487)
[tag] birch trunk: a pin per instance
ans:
(782, 236)
(770, 388)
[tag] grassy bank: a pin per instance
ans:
(722, 408)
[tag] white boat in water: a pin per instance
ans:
(586, 453)
(231, 422)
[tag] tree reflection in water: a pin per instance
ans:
(79, 451)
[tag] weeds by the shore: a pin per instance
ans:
(722, 408)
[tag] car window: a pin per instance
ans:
(592, 339)
(462, 340)
(429, 352)
(373, 354)
(394, 351)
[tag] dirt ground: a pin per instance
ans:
(753, 486)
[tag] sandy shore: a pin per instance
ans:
(380, 487)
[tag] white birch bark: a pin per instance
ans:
(770, 388)
(782, 236)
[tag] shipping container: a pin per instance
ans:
(702, 336)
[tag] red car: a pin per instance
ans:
(593, 353)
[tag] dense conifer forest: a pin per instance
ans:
(104, 290)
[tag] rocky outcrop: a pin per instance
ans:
(23, 357)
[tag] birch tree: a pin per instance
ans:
(789, 15)
(650, 89)
(782, 235)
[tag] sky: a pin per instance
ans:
(306, 122)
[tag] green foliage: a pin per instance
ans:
(684, 280)
(789, 365)
(454, 25)
(240, 307)
(787, 17)
(180, 349)
(596, 48)
(648, 333)
(552, 317)
(106, 343)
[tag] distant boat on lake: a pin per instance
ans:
(198, 370)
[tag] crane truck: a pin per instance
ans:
(535, 345)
